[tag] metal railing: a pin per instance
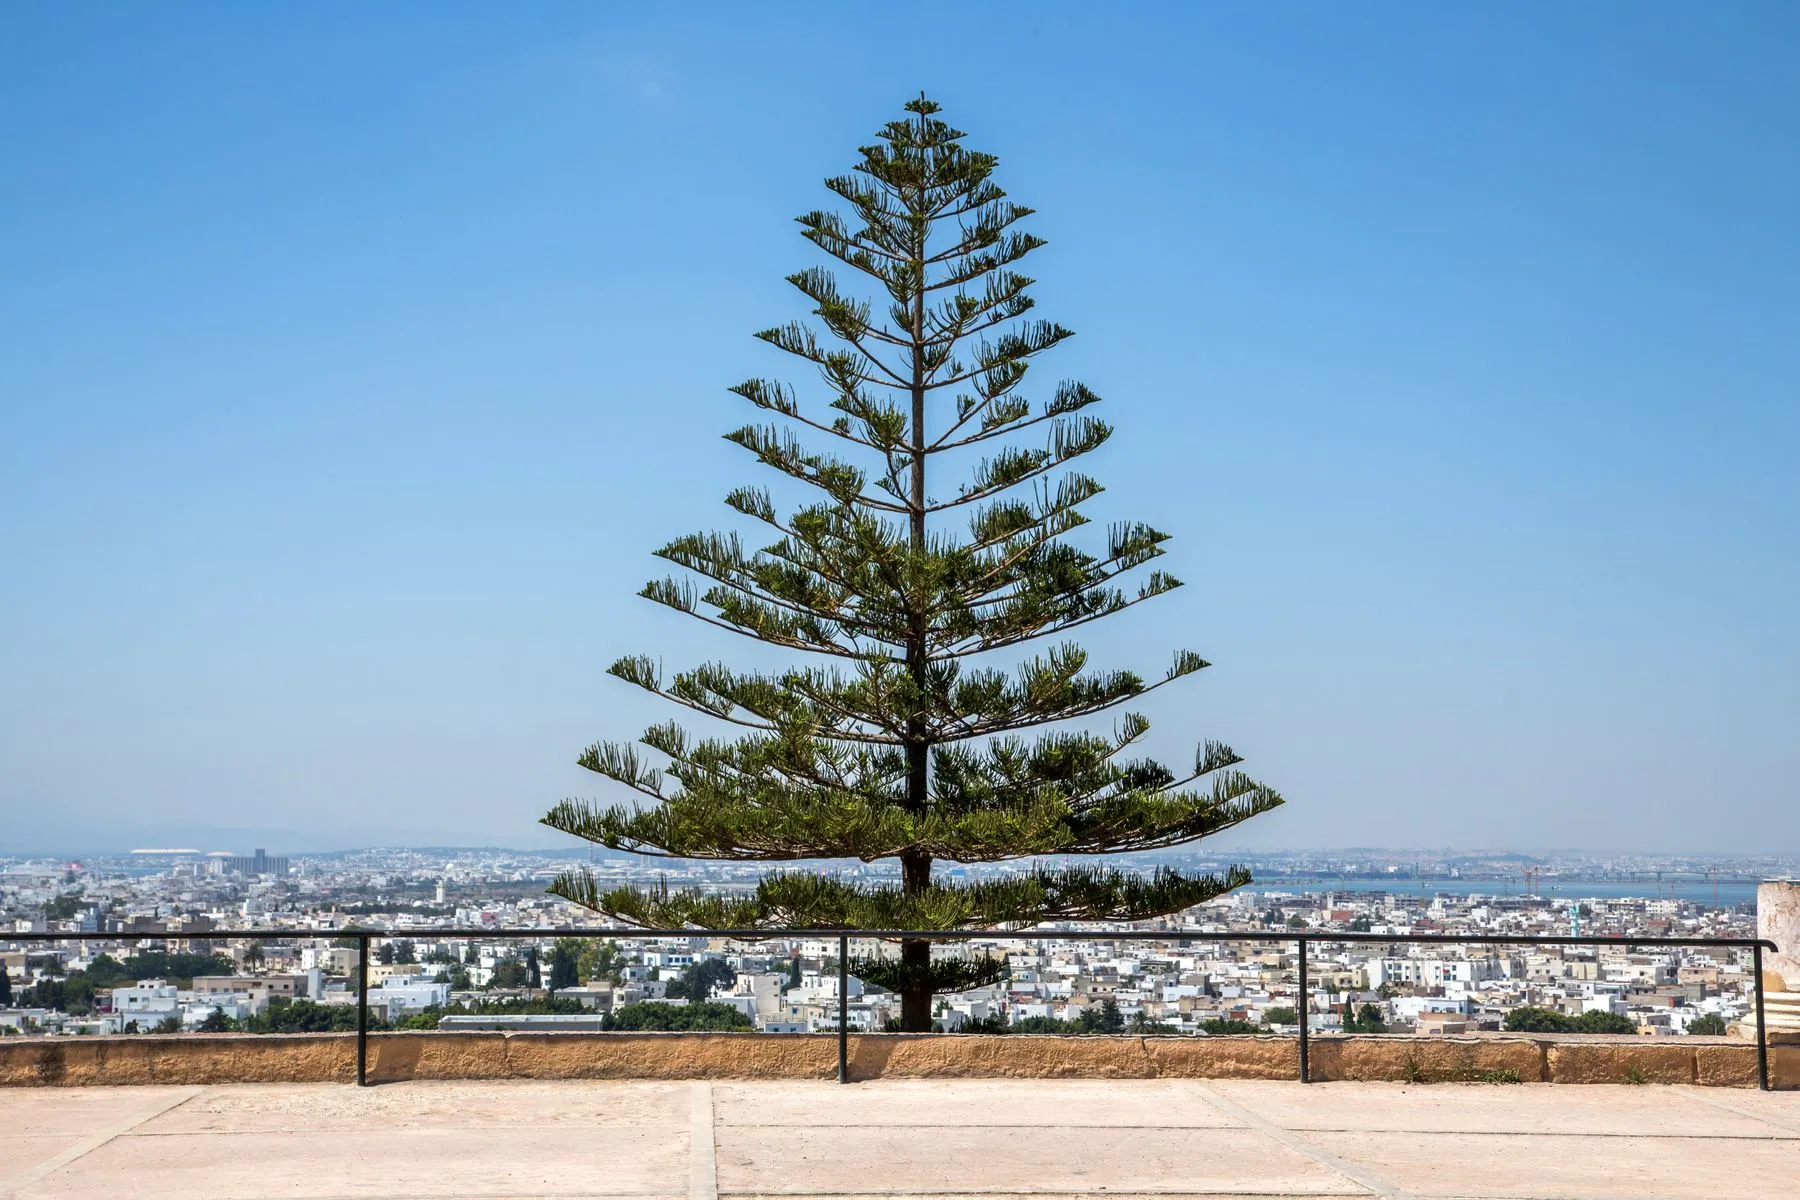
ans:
(1302, 940)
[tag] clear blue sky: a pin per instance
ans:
(355, 358)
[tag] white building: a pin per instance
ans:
(398, 996)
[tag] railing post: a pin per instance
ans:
(1305, 1071)
(843, 1008)
(1762, 1030)
(362, 1010)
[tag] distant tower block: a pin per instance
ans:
(440, 891)
(1778, 920)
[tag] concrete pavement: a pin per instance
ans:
(939, 1139)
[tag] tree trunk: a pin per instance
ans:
(915, 953)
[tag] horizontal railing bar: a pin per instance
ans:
(766, 935)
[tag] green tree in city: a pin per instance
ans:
(901, 575)
(1103, 1017)
(697, 982)
(710, 1015)
(404, 952)
(385, 954)
(1366, 1019)
(62, 908)
(1532, 1019)
(1141, 1023)
(565, 964)
(509, 972)
(1601, 1021)
(1051, 1025)
(601, 958)
(306, 1016)
(1707, 1025)
(534, 976)
(5, 987)
(1361, 924)
(1280, 1015)
(217, 1022)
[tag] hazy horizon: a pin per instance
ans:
(357, 358)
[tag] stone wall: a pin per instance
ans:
(330, 1057)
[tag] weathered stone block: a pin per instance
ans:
(1624, 1061)
(1784, 1067)
(1718, 1065)
(1404, 1059)
(669, 1056)
(178, 1058)
(1230, 1057)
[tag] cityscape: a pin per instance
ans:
(158, 974)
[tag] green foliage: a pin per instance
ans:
(1604, 1022)
(697, 982)
(179, 969)
(62, 908)
(1544, 1020)
(565, 963)
(907, 744)
(217, 1022)
(1361, 925)
(1221, 1025)
(6, 994)
(1103, 1017)
(949, 974)
(1366, 1019)
(530, 1005)
(1707, 1025)
(75, 994)
(601, 958)
(654, 1015)
(1142, 1024)
(169, 1024)
(533, 974)
(509, 972)
(1296, 922)
(306, 1016)
(1280, 1015)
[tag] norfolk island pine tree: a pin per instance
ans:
(889, 738)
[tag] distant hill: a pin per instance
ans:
(1477, 860)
